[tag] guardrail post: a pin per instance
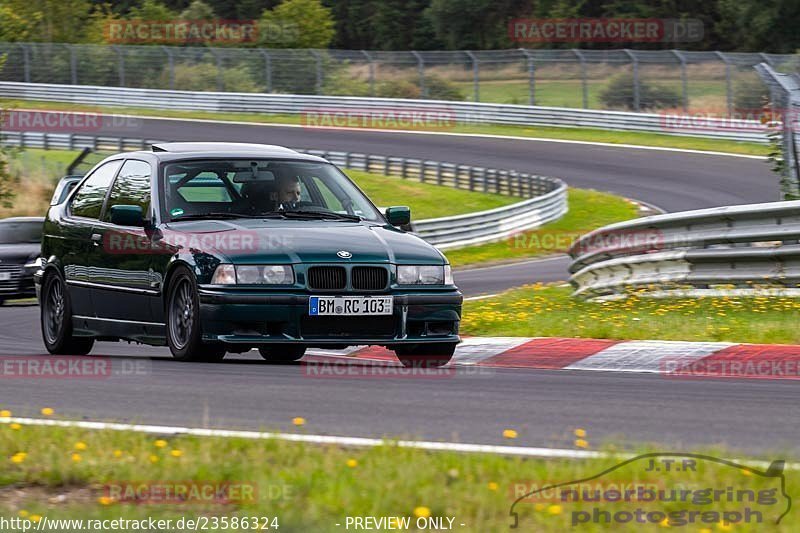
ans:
(70, 141)
(421, 69)
(584, 81)
(728, 82)
(120, 64)
(171, 66)
(439, 173)
(684, 80)
(403, 168)
(267, 69)
(531, 76)
(636, 86)
(475, 76)
(371, 65)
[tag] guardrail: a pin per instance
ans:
(326, 110)
(545, 197)
(725, 250)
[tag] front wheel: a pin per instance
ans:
(431, 355)
(282, 353)
(56, 320)
(184, 335)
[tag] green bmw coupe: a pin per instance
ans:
(212, 248)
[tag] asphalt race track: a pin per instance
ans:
(752, 416)
(472, 406)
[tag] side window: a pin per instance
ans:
(88, 201)
(132, 186)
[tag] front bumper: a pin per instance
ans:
(253, 318)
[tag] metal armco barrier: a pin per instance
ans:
(322, 111)
(545, 197)
(722, 250)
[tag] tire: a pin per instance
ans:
(431, 355)
(56, 320)
(282, 353)
(184, 331)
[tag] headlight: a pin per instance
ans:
(424, 275)
(253, 275)
(34, 265)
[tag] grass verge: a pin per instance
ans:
(588, 210)
(551, 311)
(575, 134)
(61, 473)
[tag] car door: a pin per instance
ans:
(124, 253)
(82, 213)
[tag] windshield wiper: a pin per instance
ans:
(321, 215)
(205, 216)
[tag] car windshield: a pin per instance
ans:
(300, 190)
(19, 232)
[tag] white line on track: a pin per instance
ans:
(445, 133)
(313, 439)
(363, 442)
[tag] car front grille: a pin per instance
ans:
(347, 327)
(369, 278)
(327, 278)
(15, 273)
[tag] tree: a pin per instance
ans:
(197, 10)
(7, 181)
(474, 24)
(61, 21)
(151, 10)
(297, 24)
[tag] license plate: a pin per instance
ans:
(5, 276)
(350, 305)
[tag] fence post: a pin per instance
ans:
(371, 64)
(584, 83)
(120, 64)
(636, 88)
(421, 69)
(26, 63)
(531, 76)
(73, 64)
(267, 69)
(684, 80)
(220, 77)
(171, 65)
(728, 82)
(475, 76)
(318, 59)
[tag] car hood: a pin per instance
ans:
(301, 241)
(18, 254)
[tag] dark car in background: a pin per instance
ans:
(211, 248)
(20, 242)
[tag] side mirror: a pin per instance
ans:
(127, 215)
(398, 215)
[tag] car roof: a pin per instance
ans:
(204, 150)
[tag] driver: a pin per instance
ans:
(289, 192)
